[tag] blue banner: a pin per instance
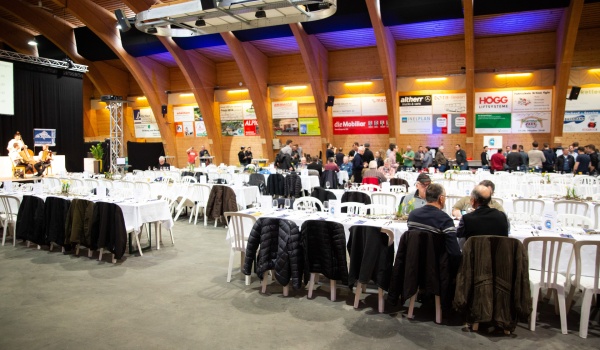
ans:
(44, 137)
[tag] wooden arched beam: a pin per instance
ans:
(17, 37)
(254, 67)
(315, 57)
(386, 48)
(470, 73)
(200, 74)
(566, 36)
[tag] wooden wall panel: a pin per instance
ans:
(287, 70)
(516, 52)
(178, 82)
(426, 59)
(229, 75)
(354, 64)
(587, 48)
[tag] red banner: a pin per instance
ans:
(360, 125)
(250, 127)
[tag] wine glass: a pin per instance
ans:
(275, 204)
(326, 206)
(286, 204)
(327, 184)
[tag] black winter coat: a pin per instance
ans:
(356, 196)
(30, 220)
(324, 244)
(322, 194)
(108, 229)
(292, 185)
(79, 219)
(280, 250)
(276, 185)
(331, 176)
(56, 210)
(371, 258)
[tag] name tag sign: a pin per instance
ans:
(8, 186)
(37, 188)
(101, 191)
(385, 186)
(304, 172)
(549, 222)
(266, 202)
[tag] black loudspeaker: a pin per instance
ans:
(574, 93)
(164, 109)
(329, 103)
(122, 20)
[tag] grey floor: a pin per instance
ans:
(178, 297)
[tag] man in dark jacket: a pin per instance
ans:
(368, 156)
(242, 156)
(565, 162)
(550, 156)
(358, 164)
(461, 158)
(484, 220)
(514, 160)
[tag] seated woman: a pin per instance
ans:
(387, 169)
(373, 172)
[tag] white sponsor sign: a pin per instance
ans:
(374, 106)
(449, 103)
(582, 121)
(183, 114)
(532, 100)
(231, 111)
(531, 122)
(284, 109)
(493, 102)
(147, 131)
(346, 107)
(416, 124)
(588, 100)
(200, 129)
(248, 111)
(143, 116)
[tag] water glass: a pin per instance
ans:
(326, 206)
(286, 204)
(275, 204)
(327, 184)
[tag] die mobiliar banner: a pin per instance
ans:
(360, 125)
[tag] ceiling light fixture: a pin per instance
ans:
(152, 30)
(200, 22)
(141, 98)
(187, 94)
(119, 26)
(594, 70)
(513, 75)
(297, 87)
(32, 42)
(359, 83)
(260, 13)
(237, 91)
(422, 80)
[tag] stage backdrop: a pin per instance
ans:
(47, 98)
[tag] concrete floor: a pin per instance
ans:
(178, 298)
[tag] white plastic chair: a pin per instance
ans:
(188, 180)
(529, 206)
(202, 194)
(387, 199)
(450, 201)
(9, 207)
(589, 285)
(369, 188)
(597, 216)
(465, 186)
(238, 238)
(571, 207)
(379, 209)
(548, 275)
(575, 220)
(306, 203)
(398, 189)
(355, 208)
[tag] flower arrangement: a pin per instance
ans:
(65, 186)
(405, 209)
(571, 194)
(251, 168)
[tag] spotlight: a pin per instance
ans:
(200, 22)
(324, 5)
(32, 42)
(69, 63)
(152, 30)
(260, 13)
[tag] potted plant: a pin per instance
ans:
(98, 153)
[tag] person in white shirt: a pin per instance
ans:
(18, 139)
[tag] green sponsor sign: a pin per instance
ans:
(493, 123)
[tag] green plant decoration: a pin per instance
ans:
(97, 151)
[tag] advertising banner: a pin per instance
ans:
(493, 102)
(361, 125)
(44, 137)
(250, 127)
(532, 100)
(178, 129)
(285, 126)
(284, 109)
(200, 129)
(449, 124)
(145, 124)
(493, 142)
(531, 122)
(449, 103)
(416, 124)
(346, 107)
(373, 106)
(248, 111)
(183, 114)
(231, 111)
(581, 121)
(415, 104)
(309, 127)
(493, 123)
(147, 131)
(588, 100)
(232, 128)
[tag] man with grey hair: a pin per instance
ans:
(441, 159)
(483, 220)
(464, 205)
(162, 163)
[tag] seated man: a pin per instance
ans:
(373, 172)
(423, 181)
(45, 155)
(22, 157)
(464, 206)
(484, 220)
(346, 166)
(313, 165)
(162, 163)
(331, 165)
(387, 169)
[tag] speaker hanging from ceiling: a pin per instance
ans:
(329, 103)
(122, 20)
(574, 93)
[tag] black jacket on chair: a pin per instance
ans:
(276, 185)
(77, 226)
(371, 258)
(56, 210)
(331, 176)
(30, 220)
(484, 221)
(492, 284)
(422, 264)
(259, 181)
(324, 244)
(322, 194)
(279, 248)
(293, 185)
(356, 196)
(108, 230)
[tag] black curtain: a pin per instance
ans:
(52, 99)
(144, 154)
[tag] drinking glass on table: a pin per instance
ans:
(275, 204)
(286, 204)
(327, 184)
(326, 206)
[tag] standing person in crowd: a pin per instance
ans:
(461, 158)
(419, 158)
(565, 162)
(357, 164)
(387, 169)
(427, 158)
(582, 163)
(378, 158)
(329, 152)
(524, 158)
(339, 157)
(573, 149)
(389, 150)
(485, 160)
(346, 166)
(314, 165)
(514, 161)
(287, 148)
(353, 150)
(498, 161)
(507, 151)
(295, 155)
(192, 155)
(591, 151)
(550, 156)
(249, 154)
(242, 156)
(367, 156)
(441, 159)
(393, 151)
(16, 138)
(536, 158)
(331, 165)
(409, 157)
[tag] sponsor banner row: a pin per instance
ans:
(190, 129)
(516, 123)
(361, 125)
(433, 124)
(588, 100)
(359, 106)
(144, 123)
(581, 121)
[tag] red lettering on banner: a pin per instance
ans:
(493, 100)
